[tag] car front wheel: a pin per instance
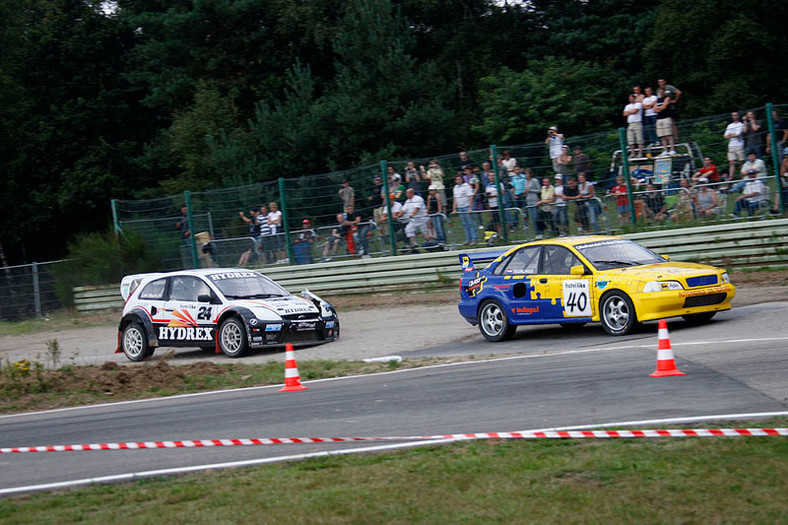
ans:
(134, 342)
(232, 338)
(493, 323)
(618, 313)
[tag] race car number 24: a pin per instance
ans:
(577, 301)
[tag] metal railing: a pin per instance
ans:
(28, 290)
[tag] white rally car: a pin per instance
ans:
(222, 310)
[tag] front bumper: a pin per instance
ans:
(301, 332)
(661, 305)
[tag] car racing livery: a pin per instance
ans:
(576, 280)
(221, 310)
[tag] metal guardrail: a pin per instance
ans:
(736, 245)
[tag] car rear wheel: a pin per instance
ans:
(704, 317)
(134, 342)
(493, 323)
(232, 338)
(617, 313)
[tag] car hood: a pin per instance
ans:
(667, 271)
(279, 307)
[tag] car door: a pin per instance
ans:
(191, 321)
(562, 297)
(513, 280)
(153, 300)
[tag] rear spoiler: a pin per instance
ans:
(469, 260)
(129, 283)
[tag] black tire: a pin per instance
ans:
(617, 313)
(704, 317)
(232, 338)
(134, 342)
(493, 323)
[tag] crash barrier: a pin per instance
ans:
(547, 434)
(733, 246)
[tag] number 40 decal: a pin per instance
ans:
(577, 301)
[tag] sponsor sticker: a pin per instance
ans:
(231, 275)
(181, 333)
(273, 327)
(329, 324)
(305, 326)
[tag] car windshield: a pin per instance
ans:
(246, 285)
(617, 253)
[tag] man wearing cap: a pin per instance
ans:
(555, 142)
(305, 238)
(753, 196)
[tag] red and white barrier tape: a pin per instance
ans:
(564, 434)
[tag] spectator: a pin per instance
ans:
(347, 194)
(650, 118)
(435, 211)
(416, 212)
(706, 199)
(397, 188)
(491, 193)
(753, 163)
(254, 233)
(338, 233)
(588, 205)
(733, 132)
(753, 134)
(561, 221)
(183, 224)
(674, 94)
(486, 176)
(396, 216)
(684, 210)
(665, 123)
(508, 163)
(555, 142)
(638, 94)
(572, 194)
(634, 114)
(656, 209)
(412, 177)
(545, 203)
(462, 203)
(304, 240)
(464, 161)
(277, 231)
(622, 199)
(783, 183)
(780, 133)
(266, 239)
(564, 161)
(754, 196)
(377, 199)
(581, 161)
(519, 181)
(434, 175)
(467, 174)
(352, 222)
(708, 170)
(533, 194)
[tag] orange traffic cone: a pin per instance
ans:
(666, 365)
(292, 379)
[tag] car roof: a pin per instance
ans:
(572, 241)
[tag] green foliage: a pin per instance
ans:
(575, 96)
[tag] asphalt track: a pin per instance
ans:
(734, 365)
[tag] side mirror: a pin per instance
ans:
(666, 257)
(577, 270)
(204, 298)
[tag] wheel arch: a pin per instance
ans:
(140, 316)
(619, 290)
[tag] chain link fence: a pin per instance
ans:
(28, 290)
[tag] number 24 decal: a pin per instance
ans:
(204, 313)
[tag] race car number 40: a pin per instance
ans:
(577, 302)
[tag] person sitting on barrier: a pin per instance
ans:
(338, 234)
(304, 239)
(684, 210)
(754, 195)
(656, 209)
(706, 199)
(708, 170)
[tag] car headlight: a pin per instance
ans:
(662, 286)
(725, 278)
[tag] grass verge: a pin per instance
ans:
(685, 480)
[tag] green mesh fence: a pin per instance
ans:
(218, 236)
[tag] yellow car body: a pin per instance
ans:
(583, 279)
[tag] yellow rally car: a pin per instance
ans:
(576, 280)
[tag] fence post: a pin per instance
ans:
(387, 202)
(776, 156)
(36, 291)
(622, 141)
(115, 221)
(285, 223)
(187, 197)
(500, 190)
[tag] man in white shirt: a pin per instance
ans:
(733, 132)
(555, 143)
(560, 218)
(462, 203)
(753, 163)
(416, 211)
(752, 197)
(650, 117)
(634, 113)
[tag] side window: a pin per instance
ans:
(557, 260)
(154, 290)
(522, 262)
(187, 288)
